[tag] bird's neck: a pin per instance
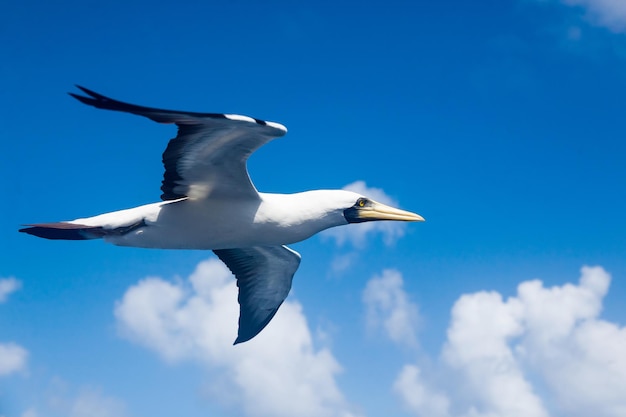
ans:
(302, 214)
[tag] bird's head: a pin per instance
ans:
(363, 209)
(304, 214)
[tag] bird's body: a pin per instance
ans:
(270, 219)
(209, 203)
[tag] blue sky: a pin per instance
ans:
(500, 122)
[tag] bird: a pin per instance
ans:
(208, 202)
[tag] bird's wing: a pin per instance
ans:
(208, 156)
(264, 275)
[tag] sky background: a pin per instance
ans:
(501, 122)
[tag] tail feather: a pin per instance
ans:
(64, 231)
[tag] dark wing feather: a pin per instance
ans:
(73, 231)
(208, 156)
(264, 275)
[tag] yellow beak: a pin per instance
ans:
(379, 211)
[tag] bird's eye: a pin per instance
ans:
(360, 202)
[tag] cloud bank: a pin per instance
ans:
(278, 373)
(543, 352)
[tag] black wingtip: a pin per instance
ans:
(241, 340)
(100, 101)
(94, 98)
(90, 92)
(83, 99)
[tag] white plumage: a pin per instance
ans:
(210, 203)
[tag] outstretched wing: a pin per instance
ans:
(208, 156)
(264, 275)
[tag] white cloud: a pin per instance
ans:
(581, 357)
(61, 399)
(608, 13)
(92, 403)
(12, 358)
(388, 306)
(343, 262)
(278, 373)
(7, 286)
(357, 234)
(479, 347)
(544, 351)
(31, 412)
(418, 396)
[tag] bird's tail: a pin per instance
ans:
(64, 231)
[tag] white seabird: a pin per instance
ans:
(210, 203)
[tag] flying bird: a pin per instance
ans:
(209, 202)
